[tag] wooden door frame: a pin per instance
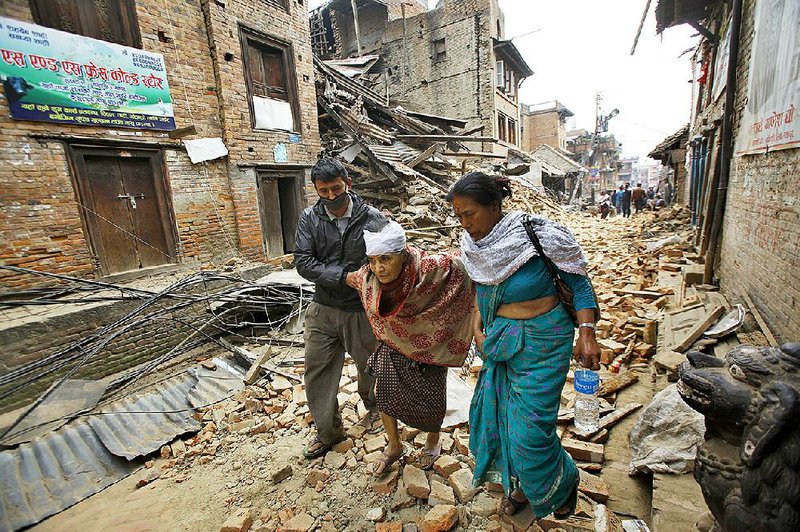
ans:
(84, 198)
(278, 173)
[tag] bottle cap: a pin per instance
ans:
(586, 381)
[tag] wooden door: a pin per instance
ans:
(125, 208)
(271, 229)
(280, 203)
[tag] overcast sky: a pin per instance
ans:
(583, 46)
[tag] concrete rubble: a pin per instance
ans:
(254, 437)
(636, 290)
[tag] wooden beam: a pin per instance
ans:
(471, 131)
(425, 155)
(610, 420)
(487, 155)
(383, 167)
(617, 383)
(708, 34)
(254, 372)
(699, 328)
(436, 138)
(761, 323)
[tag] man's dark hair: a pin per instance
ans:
(638, 184)
(481, 188)
(327, 170)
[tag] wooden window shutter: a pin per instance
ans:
(276, 74)
(108, 20)
(255, 70)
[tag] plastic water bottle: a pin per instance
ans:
(587, 409)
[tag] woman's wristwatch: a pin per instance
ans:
(588, 325)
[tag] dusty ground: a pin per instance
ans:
(234, 466)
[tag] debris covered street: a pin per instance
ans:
(584, 273)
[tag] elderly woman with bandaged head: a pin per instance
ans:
(421, 309)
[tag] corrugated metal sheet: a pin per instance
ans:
(50, 474)
(140, 424)
(53, 472)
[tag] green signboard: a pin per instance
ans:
(55, 76)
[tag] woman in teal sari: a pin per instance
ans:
(526, 339)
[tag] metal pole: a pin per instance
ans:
(726, 144)
(355, 20)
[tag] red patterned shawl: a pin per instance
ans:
(433, 322)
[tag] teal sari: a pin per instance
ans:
(515, 405)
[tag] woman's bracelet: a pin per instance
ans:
(588, 325)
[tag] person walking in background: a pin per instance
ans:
(618, 200)
(638, 197)
(329, 250)
(605, 204)
(614, 195)
(626, 200)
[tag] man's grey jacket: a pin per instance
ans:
(325, 257)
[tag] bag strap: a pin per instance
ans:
(551, 267)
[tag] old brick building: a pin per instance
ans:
(92, 201)
(544, 123)
(743, 144)
(450, 61)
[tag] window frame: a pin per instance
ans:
(502, 126)
(247, 34)
(442, 52)
(125, 10)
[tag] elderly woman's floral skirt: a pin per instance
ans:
(410, 391)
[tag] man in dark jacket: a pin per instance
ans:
(626, 201)
(329, 248)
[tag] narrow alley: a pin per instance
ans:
(207, 207)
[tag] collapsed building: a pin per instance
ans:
(452, 61)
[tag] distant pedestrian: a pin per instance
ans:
(618, 199)
(651, 192)
(605, 204)
(638, 197)
(626, 201)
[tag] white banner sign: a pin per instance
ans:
(770, 118)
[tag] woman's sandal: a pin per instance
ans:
(386, 460)
(511, 506)
(427, 457)
(569, 506)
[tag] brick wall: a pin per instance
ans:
(542, 128)
(42, 225)
(761, 228)
(461, 85)
(215, 205)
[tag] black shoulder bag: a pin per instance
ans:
(563, 291)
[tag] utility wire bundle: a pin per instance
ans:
(203, 306)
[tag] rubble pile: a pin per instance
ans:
(275, 488)
(395, 158)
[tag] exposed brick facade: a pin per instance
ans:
(543, 128)
(761, 229)
(214, 207)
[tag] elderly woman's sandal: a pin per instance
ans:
(427, 457)
(384, 463)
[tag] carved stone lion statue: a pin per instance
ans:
(749, 465)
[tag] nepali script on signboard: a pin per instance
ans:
(55, 76)
(770, 117)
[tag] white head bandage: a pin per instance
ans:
(390, 239)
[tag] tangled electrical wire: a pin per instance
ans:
(203, 306)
